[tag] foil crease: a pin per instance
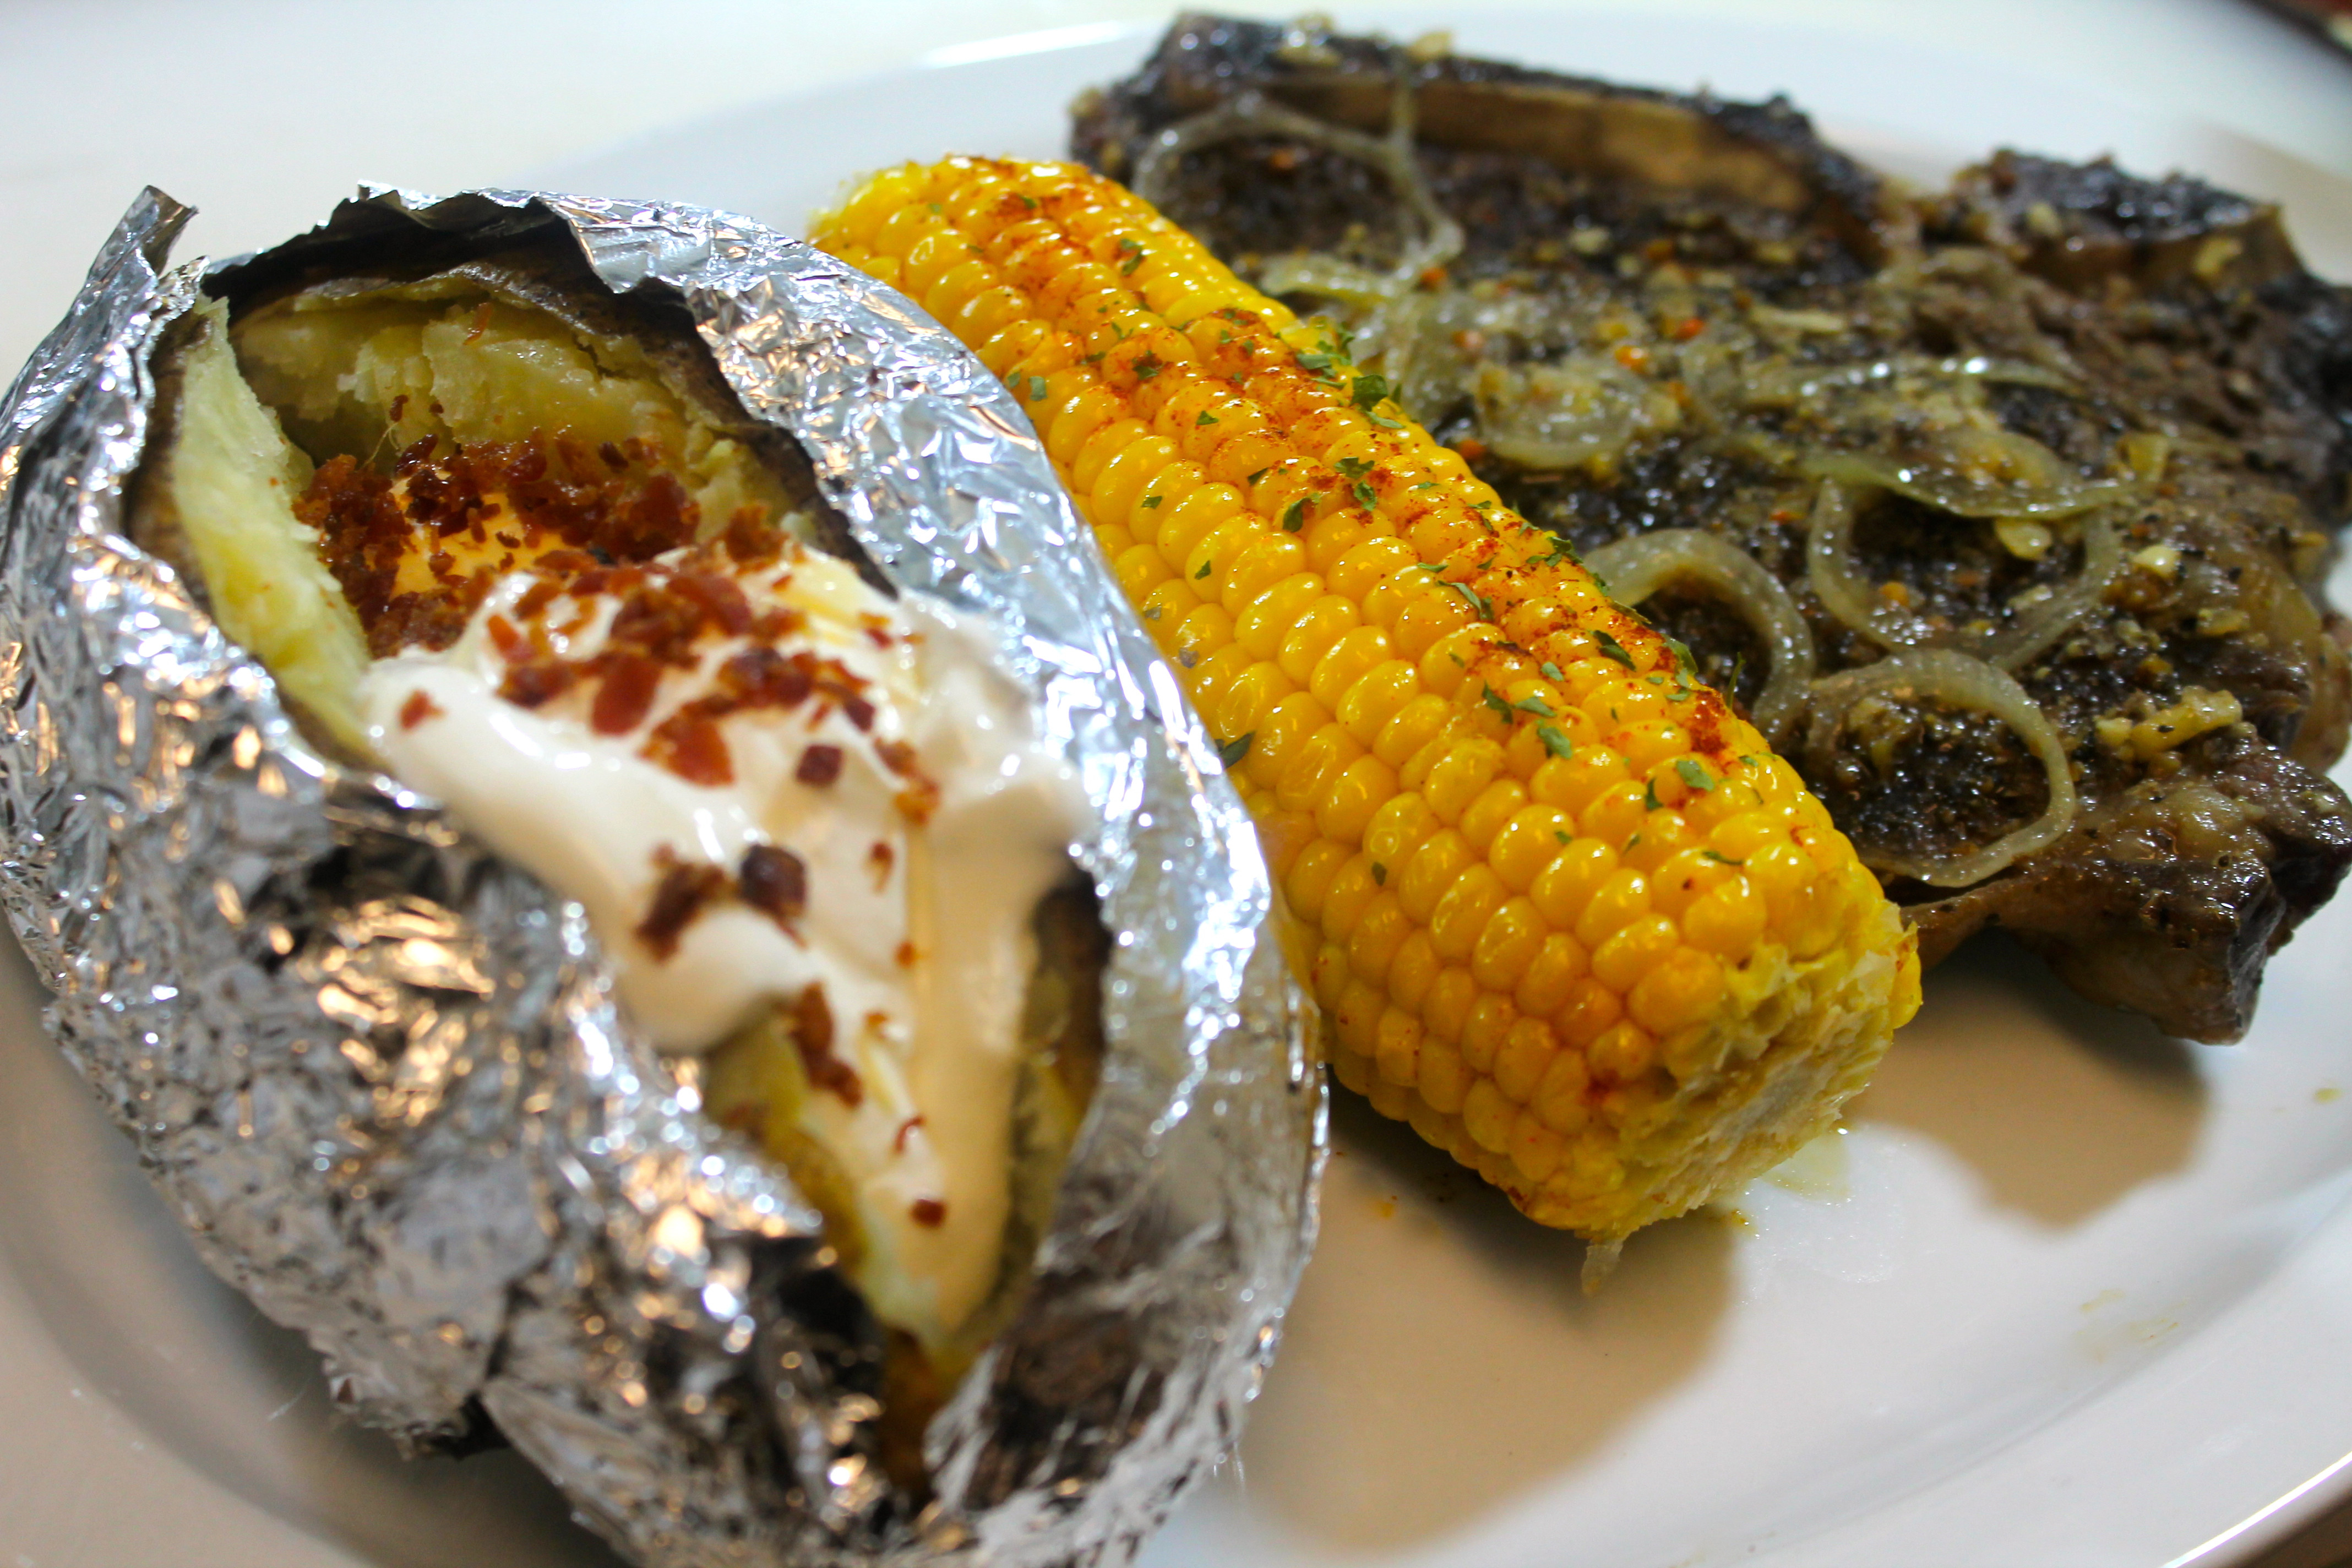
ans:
(382, 1074)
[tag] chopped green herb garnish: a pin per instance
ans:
(1383, 421)
(1556, 742)
(1353, 468)
(1614, 648)
(1152, 613)
(1294, 516)
(1721, 859)
(1650, 798)
(1486, 611)
(1036, 389)
(1563, 838)
(1550, 671)
(1315, 362)
(1206, 568)
(1535, 705)
(1693, 774)
(1147, 366)
(1369, 390)
(1363, 494)
(1234, 750)
(1502, 708)
(1150, 503)
(1380, 875)
(1259, 475)
(1206, 418)
(1688, 665)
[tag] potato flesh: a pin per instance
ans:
(233, 479)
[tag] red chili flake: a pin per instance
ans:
(897, 755)
(1688, 328)
(928, 1212)
(481, 321)
(614, 456)
(535, 682)
(418, 708)
(819, 766)
(626, 696)
(774, 882)
(899, 1139)
(685, 888)
(689, 745)
(879, 859)
(907, 956)
(512, 644)
(813, 1035)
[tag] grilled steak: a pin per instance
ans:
(2044, 472)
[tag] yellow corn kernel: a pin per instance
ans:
(1525, 851)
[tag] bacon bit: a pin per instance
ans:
(537, 597)
(512, 541)
(917, 801)
(813, 1035)
(744, 1117)
(535, 682)
(1471, 449)
(907, 956)
(762, 677)
(774, 882)
(879, 638)
(685, 888)
(899, 1139)
(512, 644)
(418, 708)
(481, 321)
(749, 539)
(626, 696)
(688, 744)
(719, 598)
(819, 766)
(858, 711)
(399, 407)
(928, 1212)
(613, 457)
(897, 755)
(881, 857)
(776, 624)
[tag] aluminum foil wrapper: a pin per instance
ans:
(382, 1074)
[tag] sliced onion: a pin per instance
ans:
(1961, 681)
(1939, 487)
(1254, 114)
(1781, 386)
(1636, 568)
(1838, 581)
(1393, 303)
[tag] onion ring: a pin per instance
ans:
(1636, 568)
(1964, 682)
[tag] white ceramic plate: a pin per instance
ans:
(2065, 1292)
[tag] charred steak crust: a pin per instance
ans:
(2160, 330)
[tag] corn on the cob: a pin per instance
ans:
(1567, 913)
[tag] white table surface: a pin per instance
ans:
(262, 113)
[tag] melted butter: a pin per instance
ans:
(919, 930)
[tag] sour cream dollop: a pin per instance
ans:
(767, 783)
